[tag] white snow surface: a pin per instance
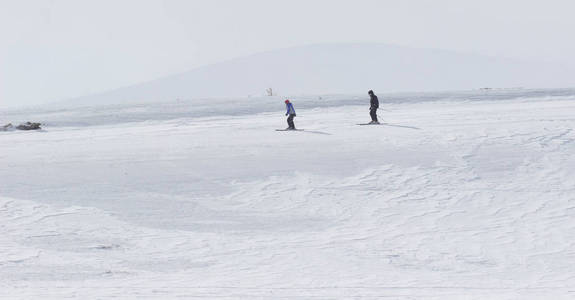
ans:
(450, 199)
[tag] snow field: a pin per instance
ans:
(450, 200)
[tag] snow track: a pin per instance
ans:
(457, 200)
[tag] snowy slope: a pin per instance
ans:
(449, 200)
(87, 114)
(343, 68)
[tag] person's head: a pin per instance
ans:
(287, 101)
(370, 92)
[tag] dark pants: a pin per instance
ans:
(290, 121)
(373, 114)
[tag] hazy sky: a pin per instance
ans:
(56, 49)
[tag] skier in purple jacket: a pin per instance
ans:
(291, 113)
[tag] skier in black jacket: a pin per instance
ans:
(374, 105)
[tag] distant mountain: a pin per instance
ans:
(343, 68)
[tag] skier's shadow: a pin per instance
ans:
(317, 132)
(401, 126)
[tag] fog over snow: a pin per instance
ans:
(58, 49)
(343, 69)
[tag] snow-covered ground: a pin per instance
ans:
(453, 199)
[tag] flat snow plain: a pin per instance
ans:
(450, 199)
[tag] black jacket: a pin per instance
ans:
(374, 102)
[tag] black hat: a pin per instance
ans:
(370, 92)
